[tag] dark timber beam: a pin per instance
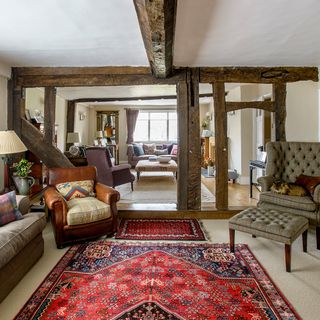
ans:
(258, 74)
(49, 114)
(279, 97)
(189, 173)
(71, 111)
(201, 95)
(49, 154)
(157, 25)
(221, 141)
(264, 105)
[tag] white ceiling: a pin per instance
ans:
(208, 33)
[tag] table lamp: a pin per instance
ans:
(10, 143)
(99, 136)
(73, 137)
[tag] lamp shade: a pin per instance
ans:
(73, 137)
(206, 133)
(10, 143)
(99, 134)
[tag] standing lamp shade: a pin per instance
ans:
(10, 143)
(73, 137)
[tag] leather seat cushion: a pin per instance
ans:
(87, 210)
(301, 203)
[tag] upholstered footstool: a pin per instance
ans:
(271, 224)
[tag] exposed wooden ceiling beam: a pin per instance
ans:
(201, 95)
(157, 24)
(258, 74)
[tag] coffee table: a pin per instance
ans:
(156, 166)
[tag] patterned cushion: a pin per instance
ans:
(76, 189)
(149, 148)
(8, 208)
(86, 210)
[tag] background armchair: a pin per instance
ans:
(84, 225)
(108, 173)
(285, 162)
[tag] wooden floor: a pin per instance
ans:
(238, 196)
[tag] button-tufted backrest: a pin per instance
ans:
(287, 160)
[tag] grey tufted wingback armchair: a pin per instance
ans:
(286, 161)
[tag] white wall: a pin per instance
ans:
(83, 126)
(3, 117)
(35, 101)
(302, 122)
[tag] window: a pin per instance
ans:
(156, 126)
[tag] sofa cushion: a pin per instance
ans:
(8, 208)
(301, 203)
(86, 210)
(138, 149)
(149, 148)
(161, 152)
(174, 150)
(76, 189)
(308, 182)
(16, 235)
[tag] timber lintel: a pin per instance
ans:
(264, 105)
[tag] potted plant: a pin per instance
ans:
(22, 179)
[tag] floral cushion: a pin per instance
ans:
(149, 148)
(174, 150)
(8, 208)
(76, 189)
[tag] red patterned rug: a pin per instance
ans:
(160, 229)
(113, 280)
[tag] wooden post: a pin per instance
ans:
(70, 119)
(279, 96)
(49, 114)
(189, 177)
(221, 140)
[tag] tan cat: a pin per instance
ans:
(289, 189)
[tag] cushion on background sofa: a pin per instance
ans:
(8, 208)
(138, 149)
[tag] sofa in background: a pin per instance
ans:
(140, 151)
(21, 245)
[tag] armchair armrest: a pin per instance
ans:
(316, 194)
(120, 167)
(107, 194)
(130, 151)
(265, 182)
(52, 197)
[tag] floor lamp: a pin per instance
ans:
(10, 143)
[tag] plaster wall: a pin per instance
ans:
(3, 118)
(35, 101)
(83, 126)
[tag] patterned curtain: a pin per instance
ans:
(132, 116)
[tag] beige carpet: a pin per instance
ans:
(157, 187)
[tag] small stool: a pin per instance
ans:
(271, 224)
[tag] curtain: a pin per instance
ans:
(132, 116)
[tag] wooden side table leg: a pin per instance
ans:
(287, 248)
(305, 240)
(231, 234)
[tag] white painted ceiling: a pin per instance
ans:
(208, 33)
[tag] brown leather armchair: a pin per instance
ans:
(58, 206)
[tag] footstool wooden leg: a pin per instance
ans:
(231, 234)
(288, 257)
(305, 240)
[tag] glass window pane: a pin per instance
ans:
(172, 115)
(143, 116)
(158, 130)
(158, 115)
(173, 130)
(141, 131)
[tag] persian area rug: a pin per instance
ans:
(114, 280)
(160, 229)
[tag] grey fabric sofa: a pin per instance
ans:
(21, 245)
(286, 161)
(133, 159)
